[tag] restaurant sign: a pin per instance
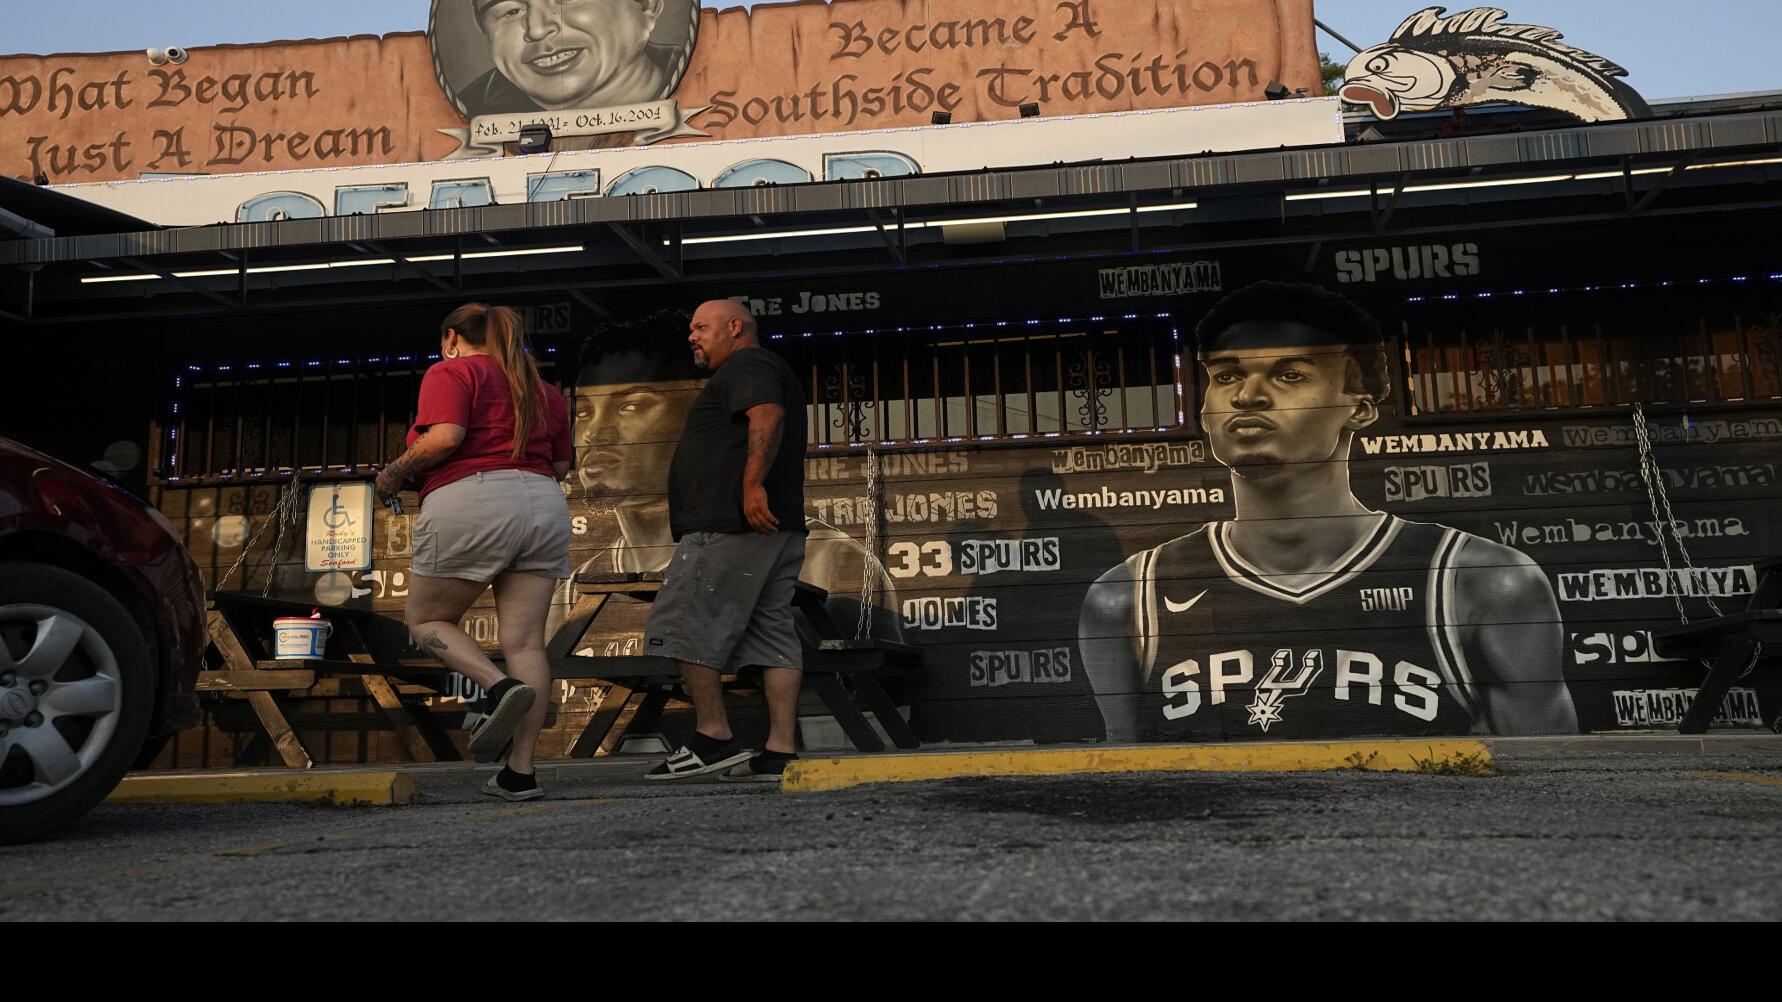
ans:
(628, 73)
(1437, 61)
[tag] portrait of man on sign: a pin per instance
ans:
(515, 56)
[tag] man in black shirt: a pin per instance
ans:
(736, 508)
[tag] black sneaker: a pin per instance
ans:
(767, 767)
(700, 756)
(511, 699)
(485, 758)
(510, 785)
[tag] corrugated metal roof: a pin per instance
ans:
(62, 214)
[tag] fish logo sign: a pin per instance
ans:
(1437, 61)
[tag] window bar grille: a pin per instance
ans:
(1742, 355)
(1574, 364)
(1032, 394)
(240, 371)
(940, 400)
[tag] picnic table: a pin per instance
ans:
(367, 658)
(842, 672)
(373, 655)
(1731, 645)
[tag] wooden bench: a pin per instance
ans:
(1731, 645)
(643, 684)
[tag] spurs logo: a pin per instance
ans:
(1285, 679)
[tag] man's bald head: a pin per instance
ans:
(719, 329)
(726, 310)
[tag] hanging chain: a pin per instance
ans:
(283, 513)
(287, 518)
(1660, 500)
(870, 568)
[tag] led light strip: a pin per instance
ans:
(975, 324)
(937, 223)
(328, 265)
(1307, 196)
(1450, 297)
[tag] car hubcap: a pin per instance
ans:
(60, 697)
(16, 704)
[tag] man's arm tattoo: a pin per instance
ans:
(764, 447)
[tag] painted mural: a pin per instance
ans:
(1438, 61)
(1310, 561)
(604, 73)
(1407, 504)
(583, 67)
(632, 394)
(1311, 613)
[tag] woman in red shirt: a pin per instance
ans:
(489, 444)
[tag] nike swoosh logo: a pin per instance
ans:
(1183, 606)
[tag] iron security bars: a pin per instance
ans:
(993, 381)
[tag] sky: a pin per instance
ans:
(1668, 50)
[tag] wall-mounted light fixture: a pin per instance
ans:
(535, 138)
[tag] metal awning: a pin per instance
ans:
(1608, 146)
(1700, 167)
(32, 212)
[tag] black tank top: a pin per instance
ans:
(1369, 647)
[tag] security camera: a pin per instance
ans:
(175, 54)
(157, 56)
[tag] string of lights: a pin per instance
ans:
(1554, 290)
(972, 325)
(316, 363)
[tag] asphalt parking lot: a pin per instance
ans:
(1613, 835)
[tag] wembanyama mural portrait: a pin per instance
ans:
(1310, 613)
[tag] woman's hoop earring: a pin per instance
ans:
(452, 353)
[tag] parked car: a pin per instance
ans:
(101, 639)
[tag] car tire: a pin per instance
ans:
(98, 698)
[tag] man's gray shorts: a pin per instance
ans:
(727, 602)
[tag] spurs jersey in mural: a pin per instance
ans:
(1366, 647)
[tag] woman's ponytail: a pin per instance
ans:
(497, 330)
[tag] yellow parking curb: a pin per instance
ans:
(367, 788)
(825, 774)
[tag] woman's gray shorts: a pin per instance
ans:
(503, 520)
(727, 602)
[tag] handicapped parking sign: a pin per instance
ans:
(339, 537)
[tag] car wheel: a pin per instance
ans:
(77, 690)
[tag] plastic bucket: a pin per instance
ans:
(300, 639)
